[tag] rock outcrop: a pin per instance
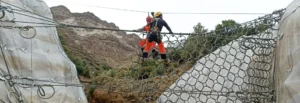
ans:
(114, 48)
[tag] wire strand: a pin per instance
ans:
(28, 22)
(140, 11)
(25, 10)
(35, 17)
(76, 26)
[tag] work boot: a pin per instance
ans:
(166, 63)
(142, 61)
(142, 49)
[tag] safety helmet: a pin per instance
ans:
(157, 14)
(148, 19)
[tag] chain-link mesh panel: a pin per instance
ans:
(230, 65)
(237, 72)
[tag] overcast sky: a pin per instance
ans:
(177, 22)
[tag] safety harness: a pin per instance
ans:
(155, 28)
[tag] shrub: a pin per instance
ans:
(92, 88)
(106, 67)
(86, 72)
(112, 72)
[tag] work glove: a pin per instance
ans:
(172, 33)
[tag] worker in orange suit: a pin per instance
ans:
(143, 42)
(155, 37)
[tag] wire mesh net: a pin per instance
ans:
(232, 65)
(231, 73)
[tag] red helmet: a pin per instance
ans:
(148, 19)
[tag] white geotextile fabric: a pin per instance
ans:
(203, 74)
(49, 61)
(288, 56)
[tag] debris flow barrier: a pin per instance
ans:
(233, 65)
(230, 65)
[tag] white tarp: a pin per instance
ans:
(288, 56)
(41, 57)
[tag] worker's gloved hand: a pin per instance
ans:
(172, 33)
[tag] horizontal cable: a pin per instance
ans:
(13, 21)
(216, 13)
(75, 26)
(140, 11)
(35, 17)
(1, 1)
(39, 26)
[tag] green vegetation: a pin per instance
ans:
(197, 46)
(80, 63)
(92, 88)
(149, 69)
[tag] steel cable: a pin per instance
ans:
(25, 10)
(41, 92)
(140, 11)
(9, 96)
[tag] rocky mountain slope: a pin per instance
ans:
(95, 47)
(104, 58)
